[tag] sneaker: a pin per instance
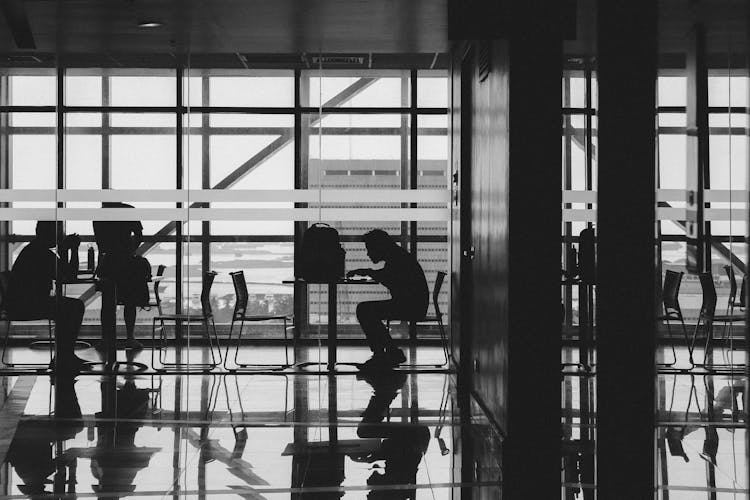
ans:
(133, 344)
(395, 357)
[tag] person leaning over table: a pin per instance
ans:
(29, 290)
(405, 280)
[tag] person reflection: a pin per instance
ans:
(405, 280)
(117, 242)
(116, 459)
(31, 453)
(30, 285)
(403, 444)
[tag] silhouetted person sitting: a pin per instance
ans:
(117, 242)
(404, 278)
(30, 286)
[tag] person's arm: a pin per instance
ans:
(68, 256)
(137, 237)
(373, 274)
(360, 272)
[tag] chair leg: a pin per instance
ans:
(216, 339)
(51, 341)
(239, 341)
(5, 344)
(210, 342)
(709, 327)
(671, 342)
(229, 342)
(687, 339)
(286, 347)
(444, 340)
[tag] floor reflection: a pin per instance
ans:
(700, 433)
(296, 436)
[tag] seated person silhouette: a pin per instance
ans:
(404, 278)
(117, 242)
(30, 286)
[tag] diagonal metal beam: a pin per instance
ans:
(251, 164)
(577, 134)
(716, 245)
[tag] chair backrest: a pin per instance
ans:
(4, 283)
(671, 291)
(159, 273)
(732, 283)
(208, 281)
(708, 308)
(240, 291)
(743, 291)
(439, 279)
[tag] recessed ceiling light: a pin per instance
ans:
(150, 24)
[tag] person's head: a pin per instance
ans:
(378, 244)
(48, 231)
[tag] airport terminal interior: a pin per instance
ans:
(192, 199)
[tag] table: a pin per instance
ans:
(332, 309)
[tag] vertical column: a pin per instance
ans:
(5, 177)
(301, 154)
(413, 180)
(179, 185)
(531, 452)
(205, 171)
(625, 278)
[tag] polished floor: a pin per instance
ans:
(291, 436)
(314, 435)
(700, 432)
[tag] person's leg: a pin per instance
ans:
(130, 314)
(371, 316)
(68, 315)
(130, 320)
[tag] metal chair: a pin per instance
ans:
(240, 314)
(156, 302)
(708, 315)
(672, 311)
(733, 302)
(205, 317)
(435, 318)
(5, 316)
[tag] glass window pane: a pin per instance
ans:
(252, 91)
(432, 89)
(358, 89)
(672, 91)
(143, 88)
(83, 90)
(32, 90)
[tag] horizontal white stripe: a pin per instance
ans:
(574, 196)
(579, 215)
(726, 214)
(709, 195)
(228, 195)
(663, 213)
(229, 214)
(667, 195)
(736, 195)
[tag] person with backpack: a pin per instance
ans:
(117, 242)
(405, 280)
